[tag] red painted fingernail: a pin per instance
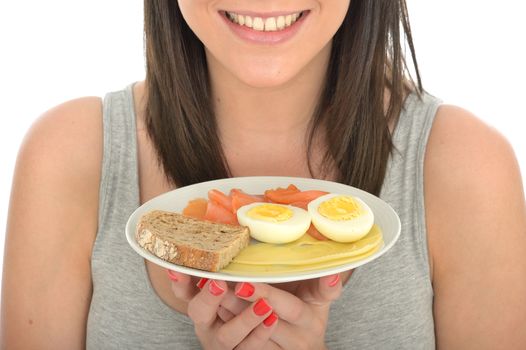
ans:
(215, 289)
(201, 283)
(245, 290)
(261, 307)
(334, 281)
(269, 321)
(172, 275)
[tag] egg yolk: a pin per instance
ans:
(340, 208)
(270, 212)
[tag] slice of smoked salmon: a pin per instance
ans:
(240, 198)
(280, 191)
(217, 213)
(314, 233)
(196, 208)
(221, 199)
(302, 205)
(293, 197)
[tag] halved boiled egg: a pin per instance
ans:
(274, 223)
(342, 218)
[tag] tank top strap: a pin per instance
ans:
(414, 123)
(119, 190)
(404, 181)
(123, 300)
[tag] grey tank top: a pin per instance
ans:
(387, 304)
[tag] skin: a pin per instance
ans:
(477, 245)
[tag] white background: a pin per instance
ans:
(471, 53)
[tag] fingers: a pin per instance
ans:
(218, 325)
(233, 304)
(253, 326)
(224, 314)
(287, 306)
(311, 294)
(186, 287)
(261, 334)
(305, 312)
(183, 286)
(202, 308)
(287, 335)
(323, 290)
(214, 308)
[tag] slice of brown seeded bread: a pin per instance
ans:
(189, 242)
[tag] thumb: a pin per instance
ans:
(321, 291)
(183, 286)
(329, 288)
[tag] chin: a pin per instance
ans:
(264, 75)
(256, 70)
(264, 81)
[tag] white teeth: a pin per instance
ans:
(248, 21)
(267, 24)
(258, 24)
(270, 24)
(280, 23)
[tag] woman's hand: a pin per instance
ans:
(249, 328)
(303, 316)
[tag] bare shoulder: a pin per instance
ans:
(471, 172)
(69, 127)
(59, 166)
(51, 227)
(476, 221)
(60, 157)
(62, 152)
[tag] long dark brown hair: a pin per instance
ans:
(367, 61)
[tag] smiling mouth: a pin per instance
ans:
(268, 24)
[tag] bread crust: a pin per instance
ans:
(189, 242)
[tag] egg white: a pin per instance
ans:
(341, 230)
(275, 232)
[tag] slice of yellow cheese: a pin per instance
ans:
(307, 250)
(303, 255)
(276, 270)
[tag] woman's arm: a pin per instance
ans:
(51, 228)
(476, 220)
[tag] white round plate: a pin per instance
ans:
(384, 216)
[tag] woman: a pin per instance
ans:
(310, 88)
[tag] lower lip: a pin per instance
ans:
(263, 37)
